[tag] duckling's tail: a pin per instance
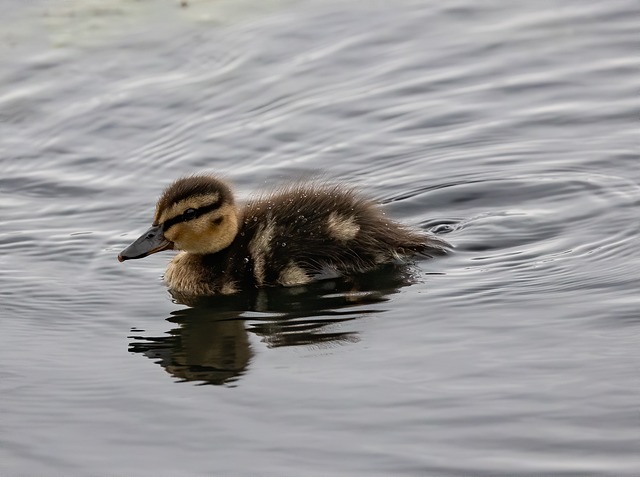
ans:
(426, 245)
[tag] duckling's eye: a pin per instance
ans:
(189, 214)
(218, 221)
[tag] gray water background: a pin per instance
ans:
(511, 128)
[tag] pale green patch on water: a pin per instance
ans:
(86, 23)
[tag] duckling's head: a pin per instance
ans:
(196, 214)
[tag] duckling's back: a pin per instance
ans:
(307, 232)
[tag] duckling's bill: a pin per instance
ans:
(151, 241)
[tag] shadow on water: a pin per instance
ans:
(211, 343)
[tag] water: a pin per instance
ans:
(510, 128)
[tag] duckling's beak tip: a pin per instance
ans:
(121, 258)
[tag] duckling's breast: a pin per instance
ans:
(192, 274)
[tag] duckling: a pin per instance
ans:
(300, 233)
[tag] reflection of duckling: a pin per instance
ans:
(212, 342)
(290, 237)
(209, 346)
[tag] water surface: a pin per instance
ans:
(510, 128)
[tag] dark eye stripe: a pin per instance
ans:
(199, 211)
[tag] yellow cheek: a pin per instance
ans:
(192, 239)
(193, 236)
(187, 241)
(173, 234)
(203, 235)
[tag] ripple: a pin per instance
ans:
(554, 235)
